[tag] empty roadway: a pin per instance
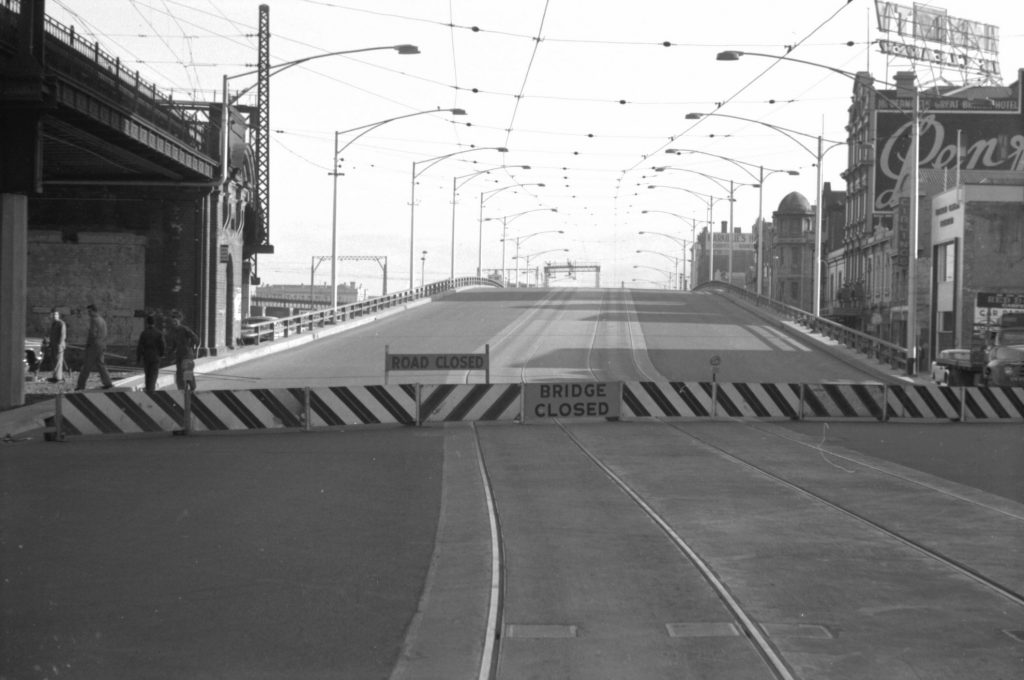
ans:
(641, 549)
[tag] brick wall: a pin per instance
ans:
(105, 269)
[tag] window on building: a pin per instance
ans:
(945, 262)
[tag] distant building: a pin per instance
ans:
(285, 299)
(734, 256)
(789, 252)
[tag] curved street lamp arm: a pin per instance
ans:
(675, 260)
(277, 68)
(709, 200)
(370, 127)
(657, 269)
(682, 242)
(721, 182)
(739, 164)
(469, 178)
(778, 128)
(734, 55)
(538, 233)
(431, 162)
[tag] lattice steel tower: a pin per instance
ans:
(263, 138)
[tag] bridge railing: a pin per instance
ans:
(88, 64)
(307, 322)
(875, 348)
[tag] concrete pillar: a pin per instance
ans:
(13, 258)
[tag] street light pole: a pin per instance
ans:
(681, 242)
(760, 177)
(412, 199)
(480, 220)
(709, 201)
(530, 256)
(915, 188)
(466, 179)
(277, 68)
(225, 141)
(519, 239)
(335, 172)
(818, 155)
(504, 229)
(675, 266)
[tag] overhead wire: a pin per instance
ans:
(526, 76)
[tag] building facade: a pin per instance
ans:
(969, 135)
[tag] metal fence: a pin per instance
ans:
(85, 63)
(318, 318)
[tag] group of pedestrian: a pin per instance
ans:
(179, 343)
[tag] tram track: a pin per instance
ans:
(760, 634)
(955, 565)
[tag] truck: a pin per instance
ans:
(999, 363)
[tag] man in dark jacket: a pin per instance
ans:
(56, 342)
(181, 346)
(149, 352)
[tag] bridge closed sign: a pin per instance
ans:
(572, 400)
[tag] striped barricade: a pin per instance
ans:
(993, 403)
(256, 409)
(843, 400)
(923, 401)
(362, 405)
(710, 399)
(117, 412)
(449, 403)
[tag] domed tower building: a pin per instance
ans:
(789, 252)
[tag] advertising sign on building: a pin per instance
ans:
(992, 140)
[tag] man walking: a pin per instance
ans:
(95, 347)
(56, 342)
(181, 345)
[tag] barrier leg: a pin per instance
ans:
(419, 405)
(58, 421)
(186, 416)
(305, 408)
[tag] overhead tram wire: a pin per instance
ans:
(529, 67)
(757, 77)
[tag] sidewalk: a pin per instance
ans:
(30, 420)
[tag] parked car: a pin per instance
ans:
(257, 329)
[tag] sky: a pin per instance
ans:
(588, 93)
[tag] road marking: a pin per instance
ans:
(779, 339)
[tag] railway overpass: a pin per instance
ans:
(114, 194)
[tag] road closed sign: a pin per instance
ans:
(572, 400)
